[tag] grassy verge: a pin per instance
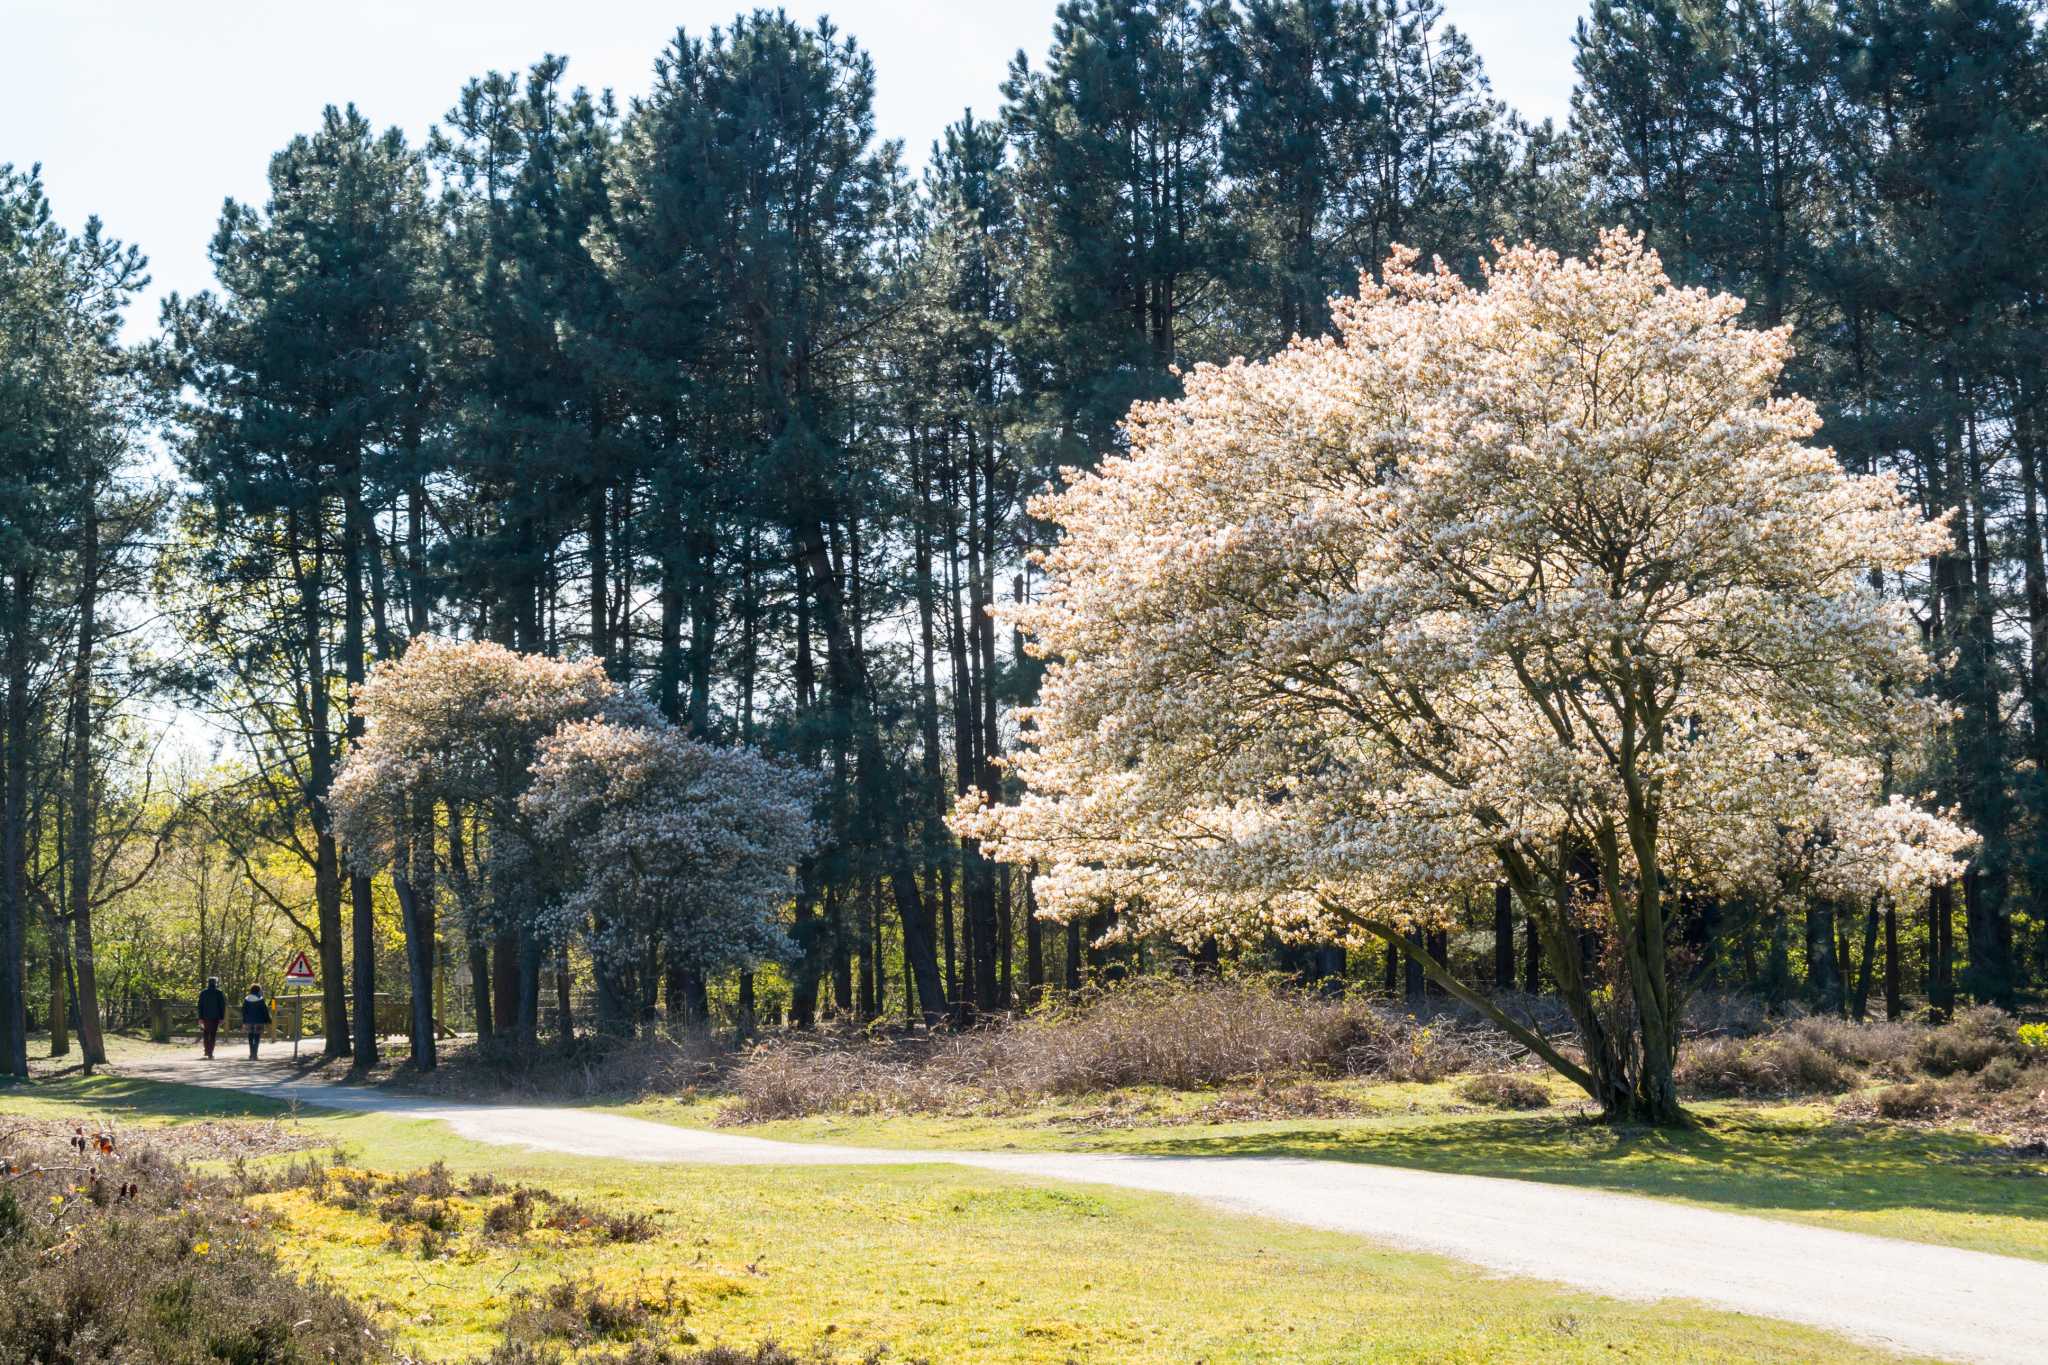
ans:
(1800, 1162)
(932, 1262)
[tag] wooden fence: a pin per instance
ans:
(289, 1016)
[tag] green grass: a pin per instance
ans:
(1797, 1162)
(943, 1263)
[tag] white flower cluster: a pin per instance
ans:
(1497, 573)
(658, 838)
(540, 792)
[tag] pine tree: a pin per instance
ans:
(1355, 125)
(304, 380)
(67, 405)
(1121, 184)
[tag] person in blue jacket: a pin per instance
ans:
(255, 1017)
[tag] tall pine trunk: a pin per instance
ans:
(14, 833)
(327, 878)
(362, 901)
(90, 1040)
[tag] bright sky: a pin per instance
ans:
(150, 114)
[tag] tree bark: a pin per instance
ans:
(1503, 937)
(362, 903)
(14, 834)
(335, 1041)
(90, 1040)
(1893, 1003)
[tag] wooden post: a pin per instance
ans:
(160, 1021)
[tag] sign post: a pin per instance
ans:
(298, 972)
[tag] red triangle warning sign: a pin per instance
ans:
(300, 970)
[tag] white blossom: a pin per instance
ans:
(1496, 578)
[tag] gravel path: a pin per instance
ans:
(1907, 1296)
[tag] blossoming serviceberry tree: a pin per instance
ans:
(657, 841)
(1537, 581)
(561, 809)
(432, 792)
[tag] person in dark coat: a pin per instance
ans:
(213, 1007)
(255, 1017)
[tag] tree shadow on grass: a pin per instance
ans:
(1742, 1159)
(134, 1098)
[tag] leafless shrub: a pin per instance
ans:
(581, 1313)
(1885, 1048)
(661, 1062)
(113, 1255)
(1968, 1043)
(1504, 1091)
(1916, 1100)
(1748, 1068)
(512, 1217)
(1179, 1034)
(2003, 1072)
(1724, 1014)
(1267, 1100)
(600, 1224)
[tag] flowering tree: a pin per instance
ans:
(431, 792)
(1534, 582)
(654, 839)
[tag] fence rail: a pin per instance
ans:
(289, 1015)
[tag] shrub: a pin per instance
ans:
(1808, 1070)
(1182, 1034)
(605, 1225)
(511, 1218)
(1745, 1068)
(665, 1061)
(1262, 1101)
(1504, 1091)
(2004, 1072)
(1967, 1045)
(139, 1258)
(580, 1313)
(1884, 1047)
(1917, 1100)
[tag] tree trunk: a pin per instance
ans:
(1034, 944)
(90, 1041)
(1941, 950)
(565, 1015)
(413, 881)
(505, 981)
(1868, 969)
(60, 1034)
(1503, 938)
(1893, 1004)
(14, 835)
(326, 863)
(362, 904)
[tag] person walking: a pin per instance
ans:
(255, 1017)
(213, 1007)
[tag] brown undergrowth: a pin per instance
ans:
(112, 1249)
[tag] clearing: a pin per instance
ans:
(1906, 1296)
